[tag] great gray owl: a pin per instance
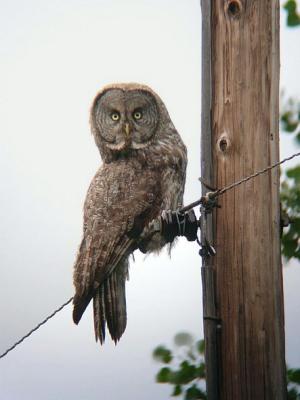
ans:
(143, 173)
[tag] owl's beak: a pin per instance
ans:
(127, 130)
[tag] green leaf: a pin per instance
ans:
(194, 392)
(201, 346)
(289, 122)
(185, 374)
(290, 6)
(296, 225)
(290, 199)
(293, 18)
(163, 375)
(201, 371)
(293, 394)
(289, 246)
(183, 339)
(177, 391)
(294, 173)
(293, 375)
(162, 354)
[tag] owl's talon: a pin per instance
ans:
(176, 223)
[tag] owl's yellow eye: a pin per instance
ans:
(115, 116)
(137, 115)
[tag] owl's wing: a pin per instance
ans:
(120, 202)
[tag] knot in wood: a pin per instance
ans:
(233, 8)
(223, 144)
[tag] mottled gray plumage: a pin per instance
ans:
(143, 173)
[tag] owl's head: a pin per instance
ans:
(125, 117)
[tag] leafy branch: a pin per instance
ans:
(184, 369)
(290, 186)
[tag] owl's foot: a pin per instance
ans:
(166, 228)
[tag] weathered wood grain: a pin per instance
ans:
(244, 122)
(207, 271)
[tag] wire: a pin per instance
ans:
(262, 171)
(36, 328)
(219, 192)
(203, 200)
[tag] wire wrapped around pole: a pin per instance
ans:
(176, 223)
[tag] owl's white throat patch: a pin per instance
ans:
(137, 146)
(117, 146)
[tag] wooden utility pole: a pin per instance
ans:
(243, 296)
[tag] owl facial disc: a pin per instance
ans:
(125, 119)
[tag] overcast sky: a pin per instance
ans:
(55, 56)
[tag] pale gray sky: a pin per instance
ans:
(54, 57)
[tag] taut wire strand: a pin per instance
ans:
(203, 200)
(262, 171)
(36, 328)
(219, 192)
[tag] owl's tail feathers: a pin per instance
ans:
(80, 304)
(99, 314)
(110, 305)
